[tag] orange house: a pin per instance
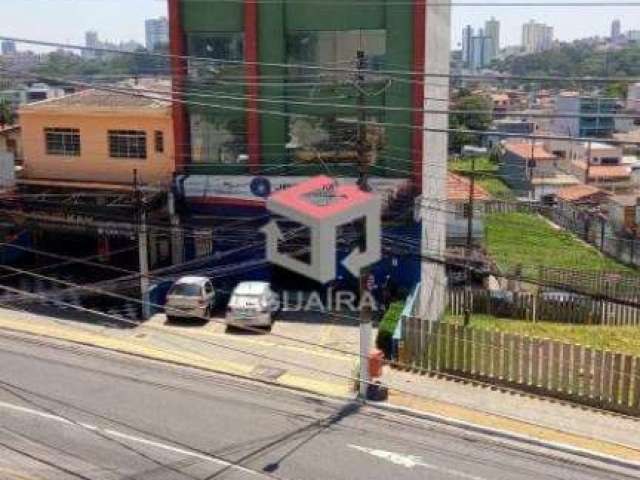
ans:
(99, 137)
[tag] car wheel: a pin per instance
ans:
(207, 312)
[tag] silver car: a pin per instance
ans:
(190, 297)
(251, 305)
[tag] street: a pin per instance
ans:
(75, 412)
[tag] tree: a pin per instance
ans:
(478, 119)
(6, 113)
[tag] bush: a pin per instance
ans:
(388, 326)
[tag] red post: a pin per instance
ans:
(418, 89)
(177, 47)
(252, 74)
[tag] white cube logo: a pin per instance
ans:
(321, 206)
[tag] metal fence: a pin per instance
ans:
(561, 308)
(598, 232)
(572, 372)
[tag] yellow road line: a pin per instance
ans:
(17, 475)
(141, 347)
(267, 344)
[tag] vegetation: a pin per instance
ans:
(521, 239)
(6, 113)
(497, 188)
(486, 168)
(575, 59)
(465, 101)
(66, 64)
(482, 164)
(388, 327)
(616, 339)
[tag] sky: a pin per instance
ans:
(66, 21)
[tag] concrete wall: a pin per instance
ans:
(513, 170)
(94, 163)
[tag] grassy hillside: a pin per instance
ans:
(525, 239)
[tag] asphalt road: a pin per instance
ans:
(69, 412)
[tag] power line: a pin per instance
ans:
(141, 93)
(401, 73)
(286, 362)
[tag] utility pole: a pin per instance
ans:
(177, 243)
(143, 246)
(437, 48)
(363, 183)
(469, 243)
(588, 169)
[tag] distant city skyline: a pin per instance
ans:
(66, 21)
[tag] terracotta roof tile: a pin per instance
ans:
(458, 189)
(101, 99)
(605, 171)
(524, 150)
(578, 192)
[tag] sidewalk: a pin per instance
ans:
(291, 364)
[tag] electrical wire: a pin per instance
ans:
(140, 93)
(396, 74)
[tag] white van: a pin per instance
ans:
(250, 305)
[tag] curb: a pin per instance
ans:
(504, 434)
(182, 364)
(452, 422)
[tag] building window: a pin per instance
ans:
(62, 141)
(334, 48)
(159, 141)
(127, 144)
(333, 139)
(609, 161)
(206, 48)
(218, 140)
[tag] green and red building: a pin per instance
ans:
(253, 102)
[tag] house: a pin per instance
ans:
(609, 177)
(622, 211)
(517, 126)
(633, 137)
(458, 191)
(584, 116)
(579, 208)
(532, 171)
(98, 136)
(580, 196)
(501, 103)
(597, 163)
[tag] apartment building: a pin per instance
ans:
(250, 132)
(536, 37)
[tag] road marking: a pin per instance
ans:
(412, 461)
(15, 475)
(114, 433)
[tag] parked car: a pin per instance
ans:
(251, 305)
(190, 297)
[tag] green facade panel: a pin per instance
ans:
(212, 16)
(278, 22)
(334, 16)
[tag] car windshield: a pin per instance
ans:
(185, 289)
